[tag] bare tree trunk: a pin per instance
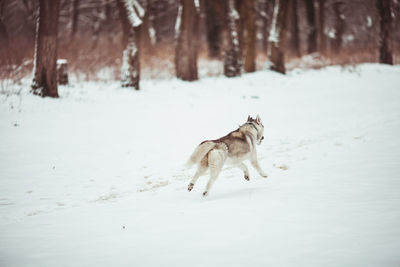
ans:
(45, 69)
(145, 38)
(269, 4)
(130, 75)
(340, 25)
(96, 25)
(277, 36)
(75, 17)
(312, 29)
(321, 26)
(385, 35)
(3, 29)
(232, 62)
(295, 37)
(126, 27)
(250, 36)
(214, 24)
(186, 43)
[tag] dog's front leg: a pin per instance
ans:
(254, 162)
(245, 170)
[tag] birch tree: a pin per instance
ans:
(277, 36)
(186, 40)
(45, 68)
(130, 13)
(232, 61)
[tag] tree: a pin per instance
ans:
(295, 37)
(214, 25)
(385, 35)
(321, 26)
(340, 25)
(130, 13)
(277, 36)
(232, 62)
(45, 67)
(3, 30)
(312, 29)
(250, 36)
(186, 40)
(265, 12)
(75, 16)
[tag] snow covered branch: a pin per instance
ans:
(134, 11)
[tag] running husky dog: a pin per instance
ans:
(231, 149)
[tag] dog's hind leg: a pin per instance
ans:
(245, 170)
(216, 160)
(201, 170)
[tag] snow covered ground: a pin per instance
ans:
(96, 177)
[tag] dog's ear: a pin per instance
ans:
(249, 118)
(258, 119)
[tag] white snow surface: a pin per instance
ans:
(96, 177)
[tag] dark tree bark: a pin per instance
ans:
(321, 26)
(125, 25)
(312, 29)
(186, 43)
(130, 75)
(267, 14)
(277, 36)
(385, 35)
(3, 29)
(340, 25)
(75, 17)
(214, 24)
(145, 38)
(62, 71)
(232, 62)
(295, 37)
(45, 69)
(249, 47)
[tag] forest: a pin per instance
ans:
(158, 39)
(288, 109)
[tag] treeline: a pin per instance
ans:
(126, 33)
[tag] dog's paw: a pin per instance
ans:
(205, 194)
(190, 187)
(247, 178)
(264, 175)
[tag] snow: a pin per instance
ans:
(273, 34)
(197, 5)
(61, 61)
(135, 12)
(96, 177)
(178, 21)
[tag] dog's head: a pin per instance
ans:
(259, 127)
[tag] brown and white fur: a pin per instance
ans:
(232, 149)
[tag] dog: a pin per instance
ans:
(232, 149)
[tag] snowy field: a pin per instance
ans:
(97, 177)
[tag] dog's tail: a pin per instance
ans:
(200, 151)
